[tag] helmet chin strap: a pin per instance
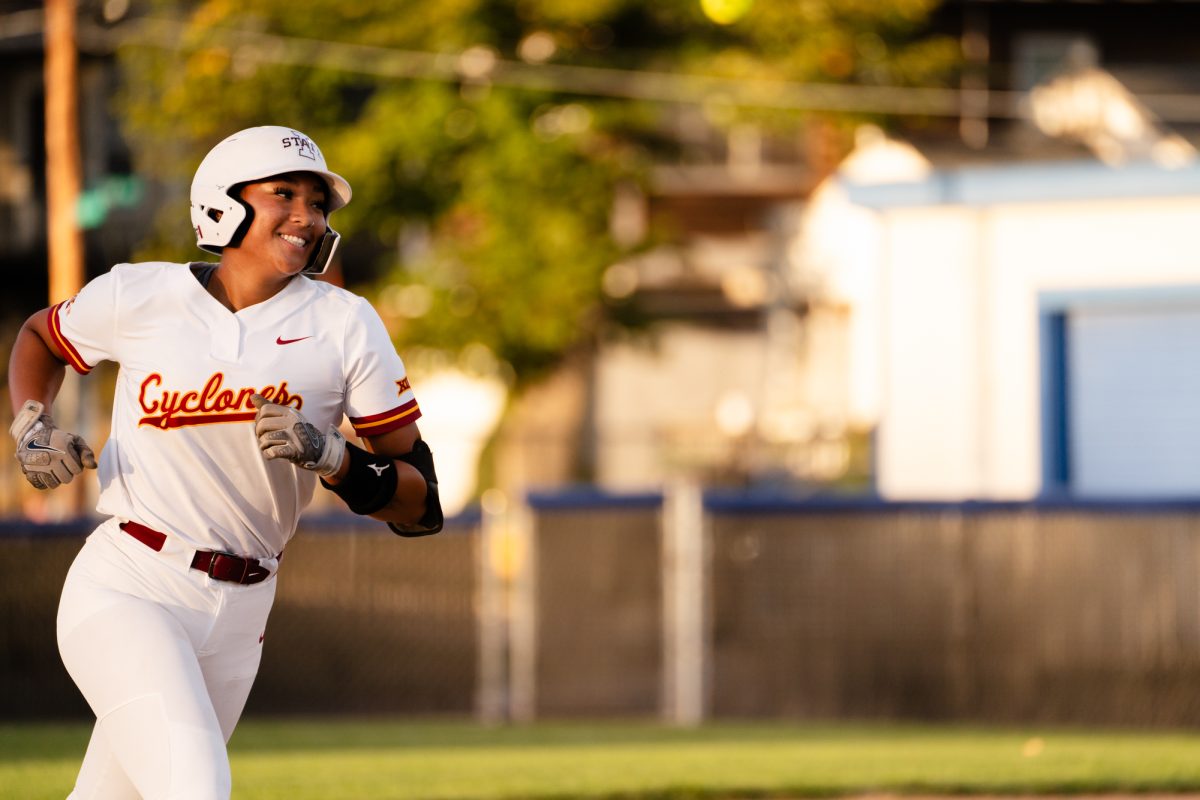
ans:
(323, 254)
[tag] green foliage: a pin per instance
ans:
(481, 212)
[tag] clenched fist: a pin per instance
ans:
(49, 457)
(283, 432)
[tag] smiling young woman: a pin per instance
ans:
(288, 222)
(234, 379)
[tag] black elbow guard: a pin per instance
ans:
(370, 483)
(431, 522)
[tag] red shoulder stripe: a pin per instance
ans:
(73, 358)
(397, 417)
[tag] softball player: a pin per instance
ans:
(233, 379)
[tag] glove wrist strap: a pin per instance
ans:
(332, 454)
(32, 411)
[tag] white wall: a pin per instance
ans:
(658, 401)
(962, 265)
(928, 437)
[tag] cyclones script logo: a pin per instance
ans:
(165, 408)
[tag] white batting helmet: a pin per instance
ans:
(220, 218)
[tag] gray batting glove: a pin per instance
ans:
(283, 432)
(49, 457)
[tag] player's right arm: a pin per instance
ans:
(36, 367)
(49, 457)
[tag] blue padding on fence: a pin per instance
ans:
(580, 497)
(774, 501)
(26, 529)
(330, 523)
(742, 502)
(716, 501)
(335, 522)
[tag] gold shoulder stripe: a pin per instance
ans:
(369, 426)
(73, 358)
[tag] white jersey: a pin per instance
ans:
(182, 456)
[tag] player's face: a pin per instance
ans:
(289, 220)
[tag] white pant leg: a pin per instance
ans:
(101, 776)
(134, 632)
(230, 657)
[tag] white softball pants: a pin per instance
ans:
(165, 656)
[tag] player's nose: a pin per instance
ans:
(305, 214)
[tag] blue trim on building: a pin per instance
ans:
(1056, 439)
(1054, 332)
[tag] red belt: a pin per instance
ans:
(219, 566)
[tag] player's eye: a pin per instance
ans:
(284, 192)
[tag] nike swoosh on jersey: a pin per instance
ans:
(46, 448)
(281, 340)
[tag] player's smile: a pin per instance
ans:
(289, 219)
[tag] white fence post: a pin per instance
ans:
(685, 640)
(522, 627)
(492, 694)
(507, 632)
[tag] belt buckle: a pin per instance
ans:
(217, 554)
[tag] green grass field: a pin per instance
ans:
(339, 758)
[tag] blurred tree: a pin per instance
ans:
(483, 210)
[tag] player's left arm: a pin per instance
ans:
(415, 509)
(391, 479)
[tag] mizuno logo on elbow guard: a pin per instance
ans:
(379, 468)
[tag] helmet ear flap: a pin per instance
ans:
(218, 219)
(323, 255)
(239, 232)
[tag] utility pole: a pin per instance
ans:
(63, 184)
(63, 163)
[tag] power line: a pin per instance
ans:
(480, 65)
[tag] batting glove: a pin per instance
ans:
(283, 432)
(49, 457)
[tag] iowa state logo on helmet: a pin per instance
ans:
(304, 146)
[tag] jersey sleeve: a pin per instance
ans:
(84, 327)
(379, 398)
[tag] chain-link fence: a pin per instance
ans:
(1003, 612)
(598, 585)
(33, 563)
(364, 621)
(587, 604)
(1066, 615)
